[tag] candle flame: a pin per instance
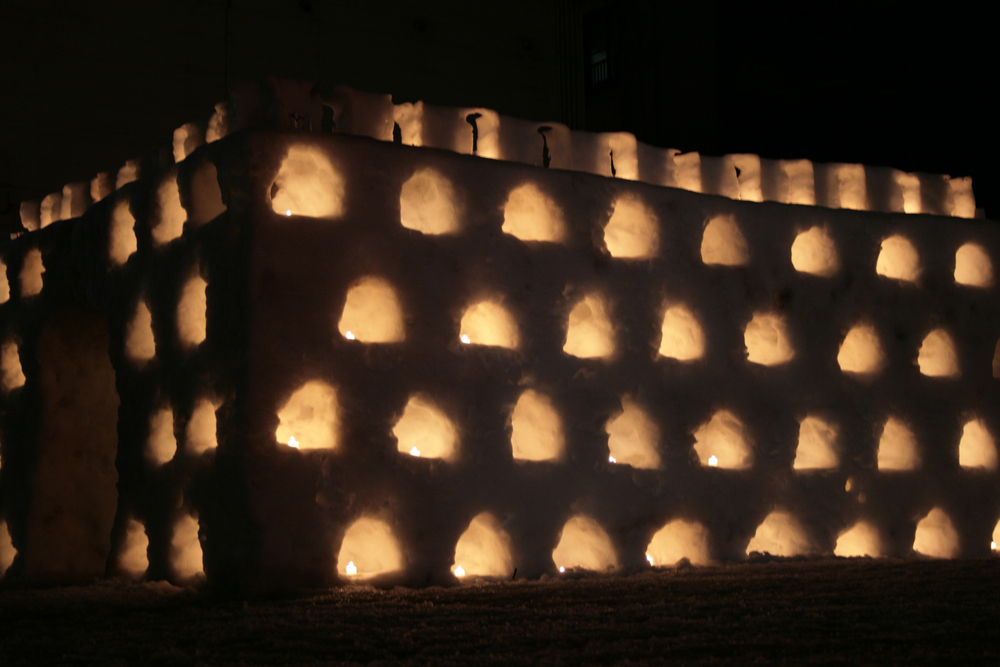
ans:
(713, 460)
(288, 212)
(414, 452)
(459, 571)
(292, 442)
(348, 335)
(650, 559)
(562, 569)
(351, 568)
(466, 339)
(612, 459)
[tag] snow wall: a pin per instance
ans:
(297, 359)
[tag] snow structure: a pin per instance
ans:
(296, 352)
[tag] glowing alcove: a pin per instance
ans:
(589, 333)
(201, 428)
(140, 345)
(536, 429)
(937, 356)
(723, 243)
(11, 374)
(861, 539)
(307, 185)
(676, 540)
(897, 448)
(681, 335)
(766, 338)
(192, 312)
(161, 445)
(898, 260)
(973, 266)
(133, 558)
(4, 285)
(32, 269)
(977, 448)
(372, 313)
(817, 448)
(168, 216)
(721, 443)
(861, 351)
(309, 419)
(936, 536)
(814, 252)
(633, 232)
(909, 191)
(633, 438)
(531, 215)
(780, 534)
(369, 549)
(427, 204)
(484, 549)
(186, 557)
(488, 323)
(584, 544)
(122, 242)
(7, 550)
(851, 187)
(425, 431)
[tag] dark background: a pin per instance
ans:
(85, 86)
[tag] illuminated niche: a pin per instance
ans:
(721, 442)
(861, 351)
(488, 323)
(897, 448)
(973, 266)
(977, 448)
(186, 556)
(531, 215)
(11, 374)
(936, 536)
(909, 191)
(817, 448)
(633, 438)
(681, 335)
(425, 431)
(168, 215)
(676, 540)
(372, 313)
(161, 445)
(140, 346)
(766, 338)
(7, 550)
(937, 357)
(484, 549)
(32, 269)
(723, 243)
(589, 333)
(898, 260)
(122, 242)
(584, 545)
(133, 558)
(536, 429)
(427, 204)
(201, 428)
(369, 549)
(309, 418)
(861, 539)
(780, 534)
(4, 285)
(814, 252)
(851, 186)
(192, 312)
(801, 181)
(307, 185)
(633, 232)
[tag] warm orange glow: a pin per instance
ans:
(427, 203)
(633, 437)
(977, 449)
(589, 333)
(973, 266)
(201, 428)
(30, 212)
(996, 536)
(531, 215)
(140, 346)
(192, 316)
(861, 539)
(4, 285)
(51, 209)
(962, 201)
(7, 550)
(861, 352)
(801, 182)
(681, 335)
(121, 233)
(487, 129)
(897, 448)
(218, 124)
(484, 549)
(936, 536)
(187, 137)
(898, 260)
(371, 548)
(536, 429)
(11, 375)
(780, 535)
(813, 251)
(100, 186)
(162, 443)
(937, 357)
(767, 341)
(488, 323)
(168, 215)
(425, 429)
(186, 556)
(307, 185)
(685, 169)
(310, 418)
(849, 186)
(633, 232)
(817, 449)
(749, 176)
(372, 313)
(676, 540)
(909, 190)
(723, 243)
(133, 558)
(128, 173)
(585, 545)
(32, 269)
(722, 438)
(410, 118)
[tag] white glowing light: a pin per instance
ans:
(351, 568)
(562, 569)
(348, 335)
(713, 460)
(288, 212)
(459, 571)
(292, 442)
(466, 339)
(414, 452)
(612, 459)
(993, 545)
(650, 559)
